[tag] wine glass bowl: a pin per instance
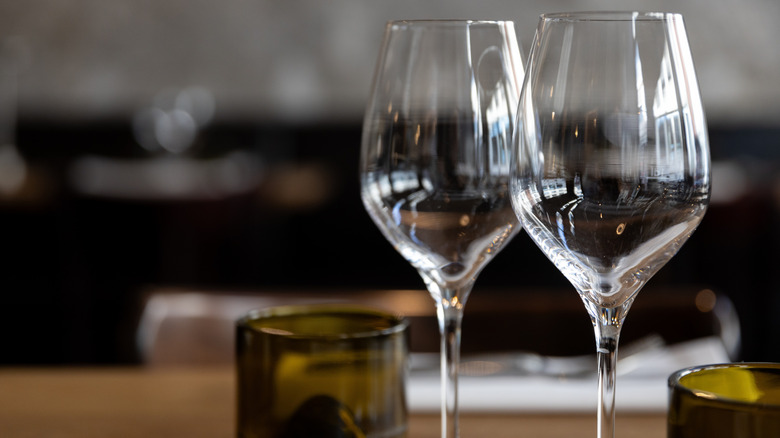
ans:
(611, 165)
(435, 164)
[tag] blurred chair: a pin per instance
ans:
(186, 327)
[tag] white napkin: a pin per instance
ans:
(641, 384)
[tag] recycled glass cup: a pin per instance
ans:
(321, 370)
(739, 400)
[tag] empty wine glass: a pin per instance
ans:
(435, 160)
(611, 165)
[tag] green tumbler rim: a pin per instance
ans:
(398, 324)
(715, 398)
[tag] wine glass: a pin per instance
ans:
(611, 167)
(435, 160)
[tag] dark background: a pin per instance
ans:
(75, 266)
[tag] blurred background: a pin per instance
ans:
(214, 144)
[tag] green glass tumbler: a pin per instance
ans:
(740, 400)
(321, 370)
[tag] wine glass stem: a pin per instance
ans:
(450, 318)
(607, 338)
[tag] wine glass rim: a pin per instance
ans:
(591, 16)
(446, 22)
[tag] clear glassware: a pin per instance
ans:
(611, 162)
(435, 164)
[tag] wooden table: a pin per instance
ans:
(166, 402)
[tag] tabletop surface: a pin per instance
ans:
(130, 402)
